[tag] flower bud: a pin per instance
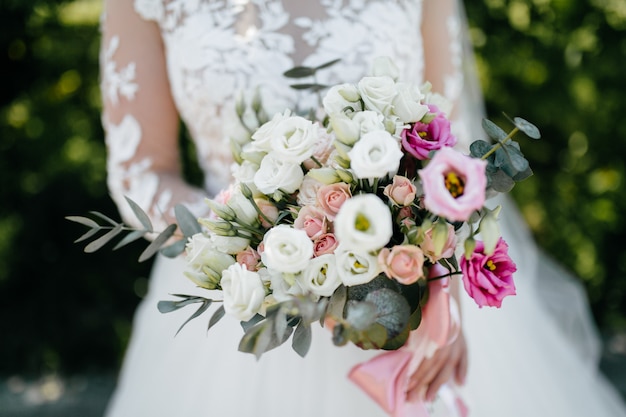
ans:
(490, 230)
(221, 210)
(324, 175)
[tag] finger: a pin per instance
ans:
(440, 379)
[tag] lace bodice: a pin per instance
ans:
(192, 58)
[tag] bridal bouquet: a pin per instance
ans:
(344, 216)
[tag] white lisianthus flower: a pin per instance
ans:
(378, 93)
(345, 129)
(356, 266)
(243, 208)
(244, 173)
(261, 139)
(363, 223)
(320, 277)
(375, 155)
(407, 103)
(285, 286)
(383, 65)
(229, 244)
(340, 97)
(286, 249)
(369, 121)
(204, 263)
(243, 290)
(275, 174)
(294, 139)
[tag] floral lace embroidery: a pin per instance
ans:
(114, 82)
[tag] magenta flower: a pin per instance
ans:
(489, 278)
(422, 138)
(454, 184)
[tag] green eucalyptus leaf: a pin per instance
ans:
(254, 341)
(104, 217)
(205, 305)
(479, 147)
(167, 306)
(398, 341)
(493, 131)
(129, 238)
(302, 338)
(140, 214)
(337, 302)
(299, 72)
(308, 86)
(359, 292)
(415, 318)
(374, 337)
(175, 249)
(520, 176)
(528, 128)
(393, 310)
(86, 221)
(339, 335)
(518, 160)
(360, 314)
(501, 182)
(156, 244)
(187, 222)
(104, 239)
(252, 322)
(501, 158)
(327, 64)
(87, 235)
(217, 316)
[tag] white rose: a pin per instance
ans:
(356, 267)
(204, 263)
(340, 97)
(294, 139)
(307, 194)
(383, 65)
(243, 292)
(375, 155)
(320, 277)
(275, 174)
(243, 208)
(407, 103)
(363, 222)
(229, 244)
(369, 121)
(378, 93)
(286, 249)
(261, 139)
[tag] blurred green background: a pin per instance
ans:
(558, 63)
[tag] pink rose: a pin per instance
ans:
(221, 198)
(489, 278)
(428, 245)
(405, 263)
(269, 210)
(331, 197)
(250, 258)
(405, 213)
(401, 191)
(312, 221)
(454, 184)
(325, 244)
(421, 138)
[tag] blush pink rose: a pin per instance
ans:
(331, 197)
(405, 263)
(312, 220)
(489, 278)
(428, 245)
(325, 244)
(422, 138)
(269, 210)
(454, 184)
(221, 198)
(401, 191)
(250, 258)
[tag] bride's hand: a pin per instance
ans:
(448, 361)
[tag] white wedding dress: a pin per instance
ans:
(162, 59)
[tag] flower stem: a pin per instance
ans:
(449, 274)
(500, 143)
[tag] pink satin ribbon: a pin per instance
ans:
(385, 378)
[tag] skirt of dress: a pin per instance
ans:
(523, 360)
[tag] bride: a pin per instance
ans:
(162, 60)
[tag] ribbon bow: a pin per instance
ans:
(385, 378)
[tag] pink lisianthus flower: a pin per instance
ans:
(405, 263)
(422, 138)
(454, 184)
(489, 278)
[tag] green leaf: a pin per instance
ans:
(397, 342)
(361, 314)
(205, 305)
(415, 318)
(175, 249)
(187, 222)
(501, 182)
(83, 220)
(217, 316)
(393, 310)
(156, 244)
(104, 217)
(104, 239)
(479, 147)
(528, 128)
(87, 235)
(520, 176)
(359, 292)
(140, 214)
(308, 86)
(302, 338)
(374, 337)
(518, 160)
(252, 322)
(299, 72)
(327, 64)
(167, 306)
(129, 238)
(493, 131)
(337, 302)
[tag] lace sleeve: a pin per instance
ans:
(140, 118)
